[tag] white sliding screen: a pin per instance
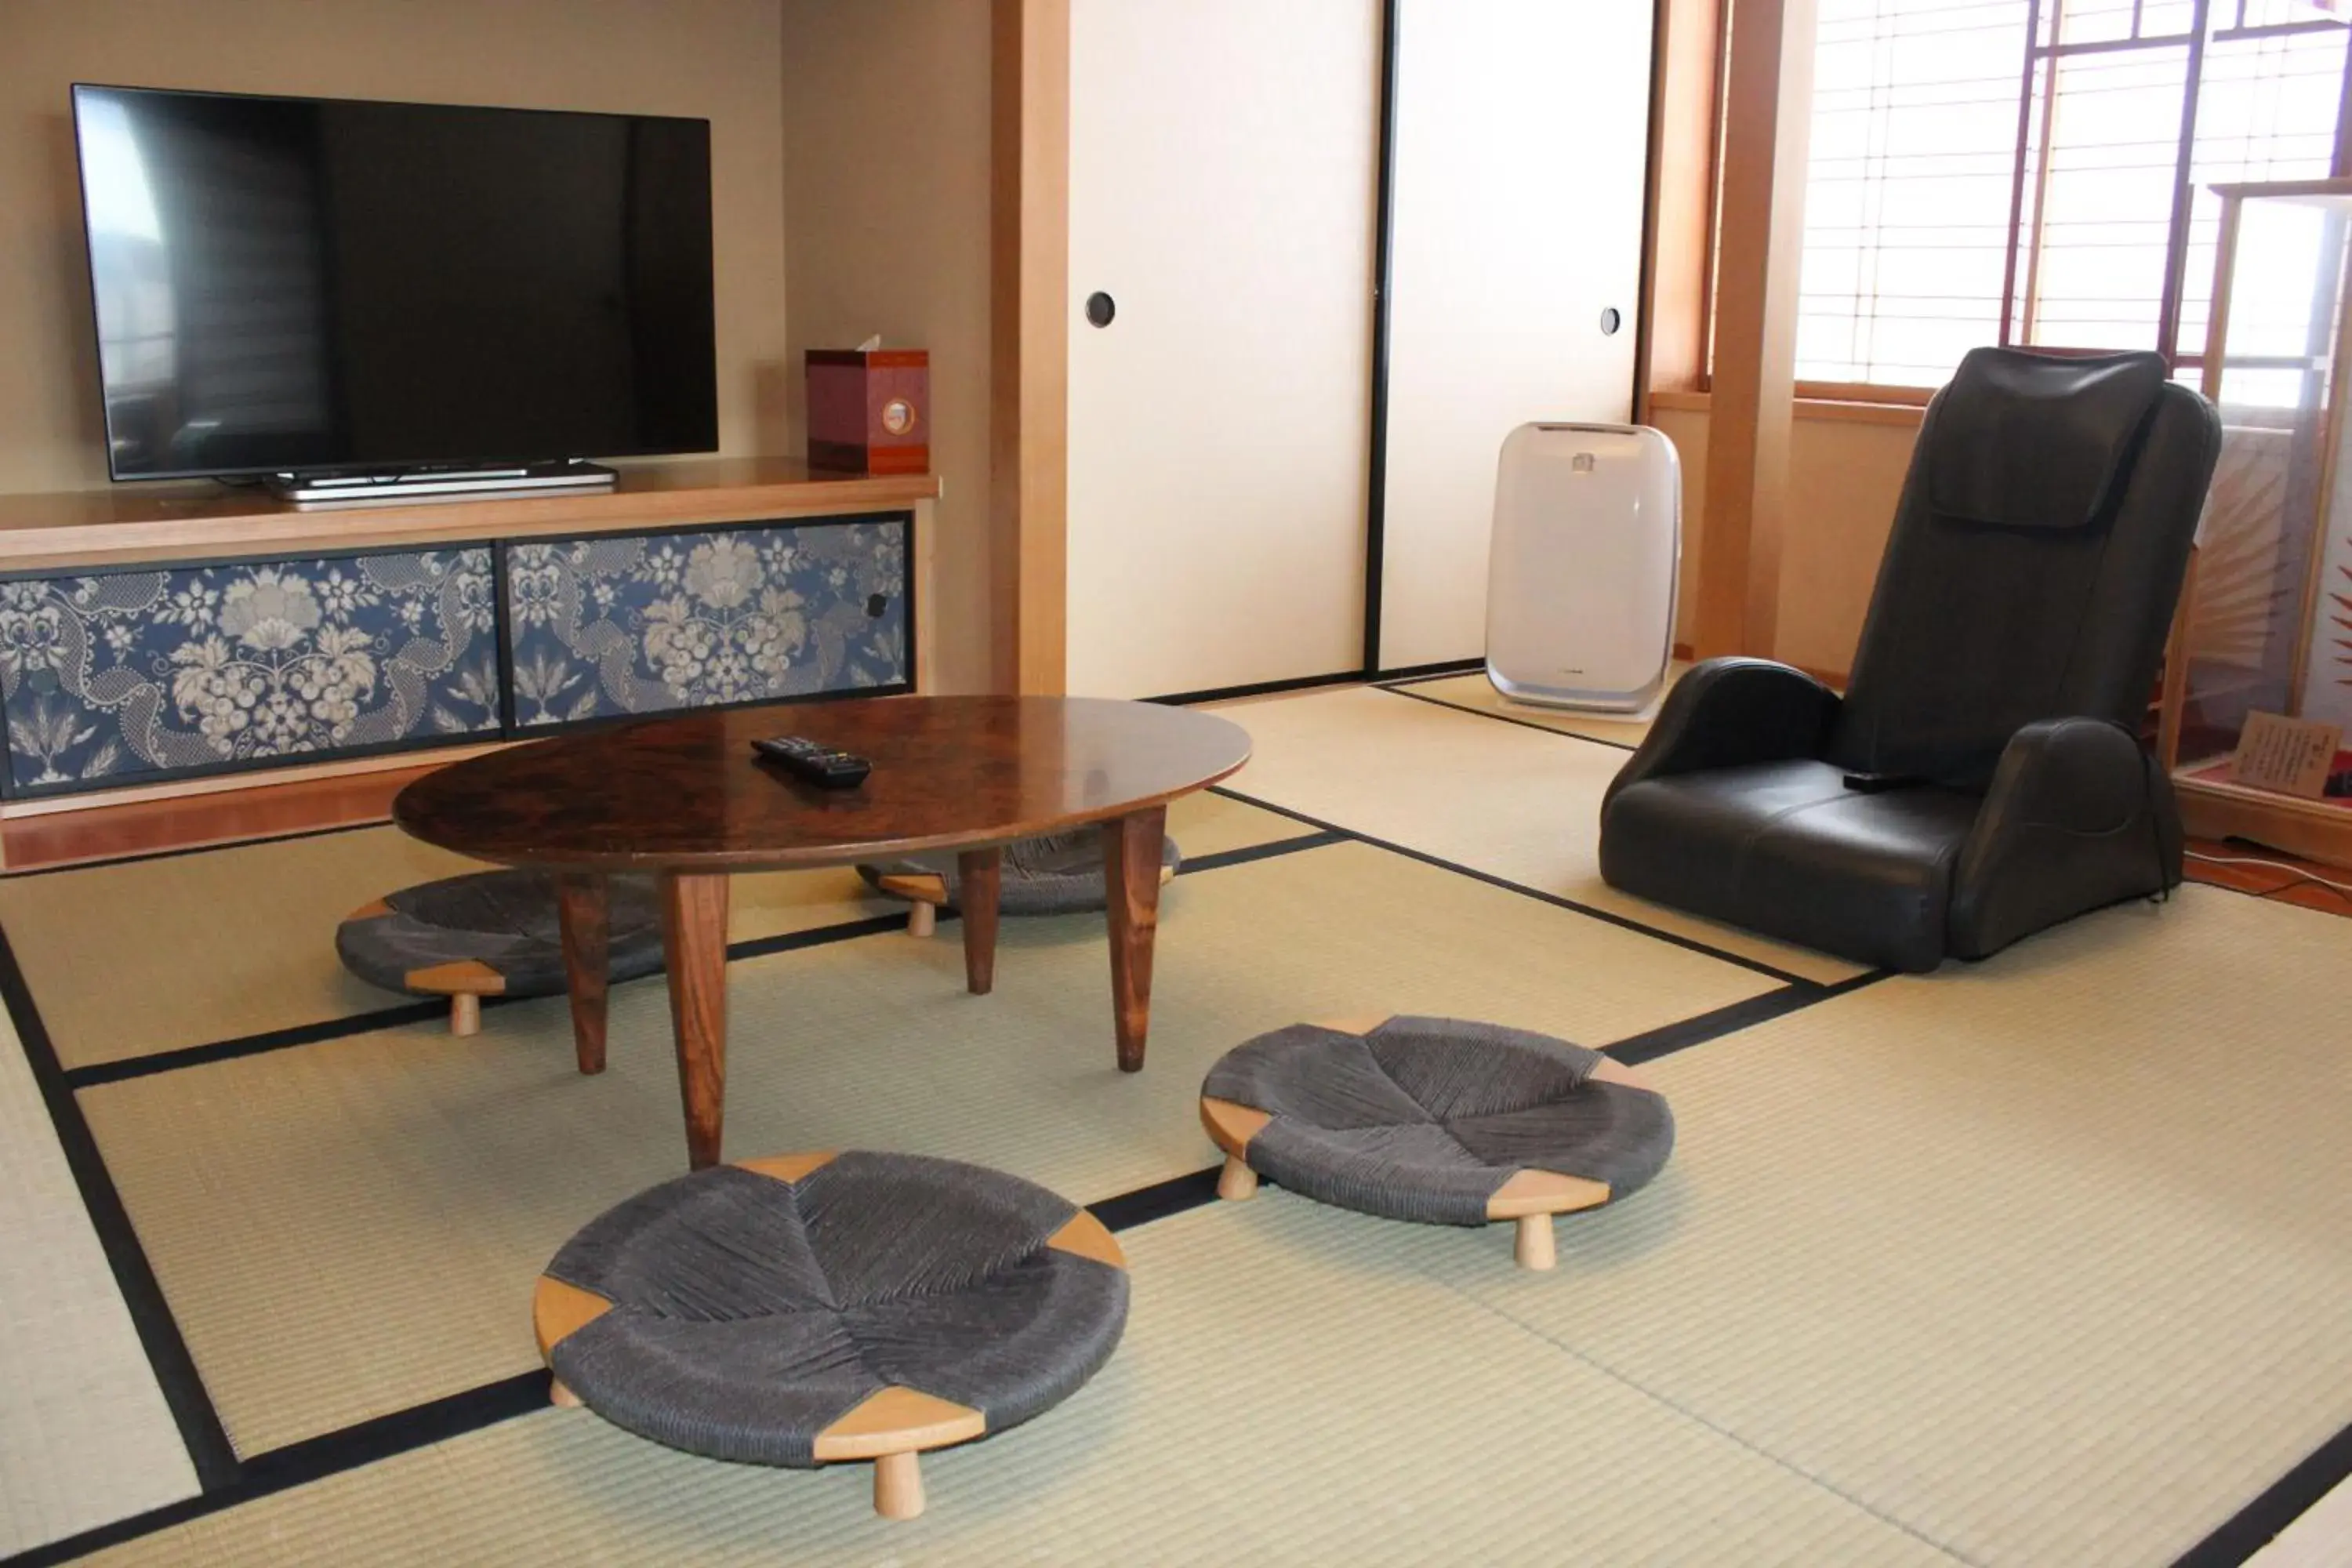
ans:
(1222, 175)
(1522, 138)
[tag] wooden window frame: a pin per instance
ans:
(1845, 399)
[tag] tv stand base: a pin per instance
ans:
(415, 484)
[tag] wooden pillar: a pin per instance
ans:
(1672, 356)
(1767, 106)
(1030, 330)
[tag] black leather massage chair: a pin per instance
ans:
(1981, 778)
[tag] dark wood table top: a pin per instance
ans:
(688, 794)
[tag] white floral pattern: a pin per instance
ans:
(119, 677)
(112, 677)
(602, 628)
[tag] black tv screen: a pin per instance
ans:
(313, 286)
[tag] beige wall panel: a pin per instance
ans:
(885, 130)
(1844, 479)
(1222, 180)
(711, 58)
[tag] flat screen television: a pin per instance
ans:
(314, 287)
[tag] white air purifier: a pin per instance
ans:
(1580, 584)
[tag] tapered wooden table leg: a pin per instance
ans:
(694, 929)
(1131, 874)
(584, 906)
(981, 871)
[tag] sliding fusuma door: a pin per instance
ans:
(1521, 140)
(1224, 161)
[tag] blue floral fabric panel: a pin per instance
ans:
(601, 628)
(116, 677)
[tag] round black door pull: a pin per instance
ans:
(1609, 322)
(1101, 308)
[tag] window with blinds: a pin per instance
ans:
(2035, 171)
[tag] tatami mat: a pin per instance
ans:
(1285, 1394)
(346, 1228)
(1497, 797)
(85, 1436)
(2046, 1259)
(1477, 694)
(151, 955)
(2041, 1260)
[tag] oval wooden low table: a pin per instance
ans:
(814, 1309)
(1437, 1120)
(489, 933)
(684, 799)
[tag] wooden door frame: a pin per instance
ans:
(1029, 329)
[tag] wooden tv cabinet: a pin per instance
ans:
(183, 665)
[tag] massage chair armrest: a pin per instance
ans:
(1727, 712)
(2077, 816)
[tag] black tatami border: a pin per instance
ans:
(1404, 688)
(1608, 917)
(2283, 1502)
(374, 1018)
(159, 1334)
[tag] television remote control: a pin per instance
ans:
(822, 765)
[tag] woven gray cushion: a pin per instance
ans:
(505, 920)
(1424, 1119)
(1054, 874)
(750, 1313)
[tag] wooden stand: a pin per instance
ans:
(2227, 574)
(130, 526)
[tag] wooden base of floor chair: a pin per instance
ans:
(899, 1486)
(1236, 1182)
